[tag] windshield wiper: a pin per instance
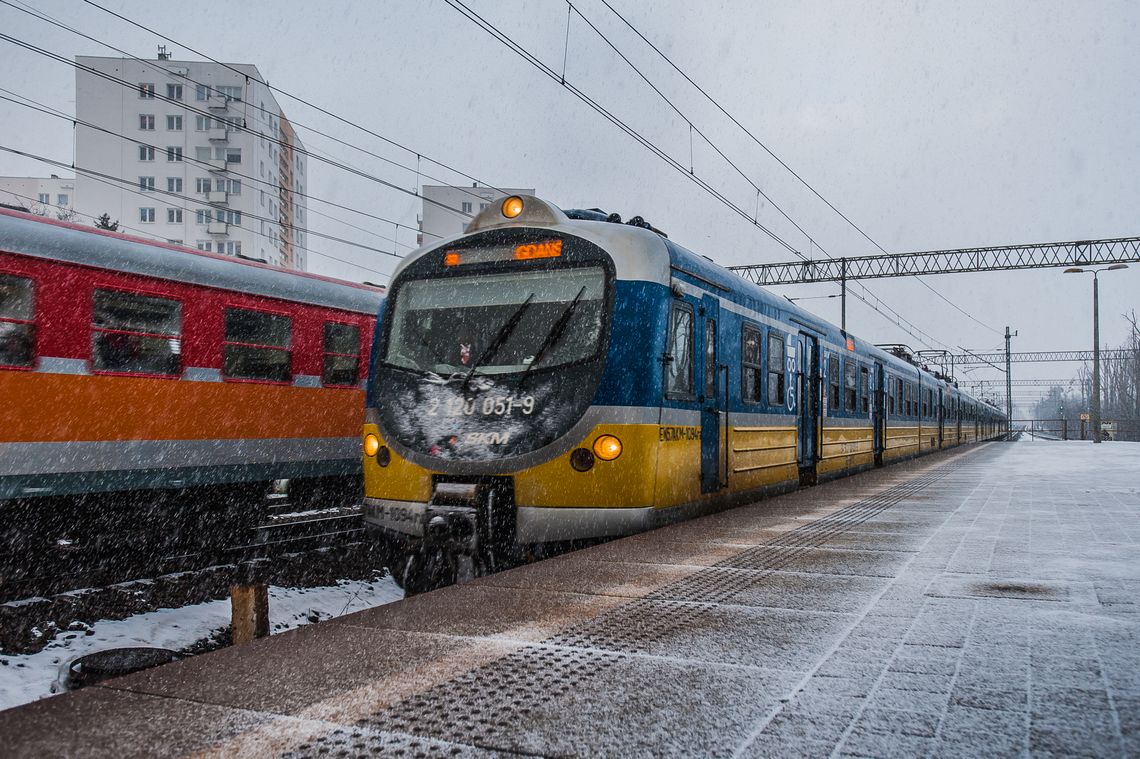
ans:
(500, 338)
(555, 332)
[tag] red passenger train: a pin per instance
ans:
(145, 384)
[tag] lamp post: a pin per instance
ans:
(1095, 410)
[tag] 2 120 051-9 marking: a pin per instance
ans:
(491, 405)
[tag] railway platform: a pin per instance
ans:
(971, 603)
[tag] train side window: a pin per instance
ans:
(679, 367)
(710, 358)
(257, 346)
(136, 334)
(17, 321)
(750, 368)
(890, 395)
(849, 384)
(833, 381)
(865, 388)
(341, 354)
(775, 369)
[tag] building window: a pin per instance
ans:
(146, 214)
(174, 123)
(204, 216)
(174, 184)
(17, 321)
(146, 184)
(206, 245)
(775, 369)
(230, 91)
(232, 247)
(174, 215)
(849, 387)
(750, 368)
(146, 122)
(679, 366)
(231, 155)
(45, 197)
(201, 92)
(482, 206)
(173, 153)
(203, 184)
(203, 154)
(146, 153)
(257, 346)
(833, 379)
(61, 199)
(465, 207)
(342, 354)
(174, 91)
(139, 334)
(146, 90)
(865, 389)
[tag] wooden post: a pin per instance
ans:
(249, 612)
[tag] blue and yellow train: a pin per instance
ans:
(555, 376)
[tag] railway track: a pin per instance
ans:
(69, 568)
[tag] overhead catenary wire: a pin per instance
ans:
(310, 104)
(48, 110)
(276, 141)
(526, 55)
(131, 186)
(782, 163)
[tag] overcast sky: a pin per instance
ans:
(930, 125)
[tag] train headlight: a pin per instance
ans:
(371, 444)
(512, 206)
(607, 447)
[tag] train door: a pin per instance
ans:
(878, 411)
(713, 397)
(804, 398)
(941, 419)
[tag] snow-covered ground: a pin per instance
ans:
(30, 677)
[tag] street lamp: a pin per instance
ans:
(1096, 432)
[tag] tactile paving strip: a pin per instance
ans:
(477, 706)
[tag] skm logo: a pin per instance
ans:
(487, 438)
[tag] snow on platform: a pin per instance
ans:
(977, 603)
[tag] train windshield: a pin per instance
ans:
(498, 323)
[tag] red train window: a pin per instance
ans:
(17, 326)
(257, 346)
(341, 354)
(137, 334)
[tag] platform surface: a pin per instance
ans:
(971, 603)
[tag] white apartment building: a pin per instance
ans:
(460, 205)
(52, 196)
(194, 153)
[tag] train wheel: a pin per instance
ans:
(428, 569)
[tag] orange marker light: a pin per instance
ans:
(451, 259)
(607, 447)
(548, 249)
(850, 344)
(371, 444)
(512, 206)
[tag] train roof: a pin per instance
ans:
(647, 254)
(30, 235)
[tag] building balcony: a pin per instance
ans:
(218, 102)
(218, 228)
(217, 198)
(216, 165)
(217, 134)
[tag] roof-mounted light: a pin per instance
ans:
(512, 206)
